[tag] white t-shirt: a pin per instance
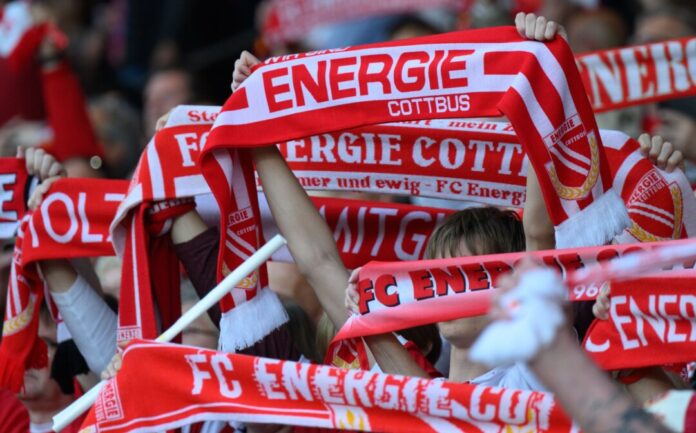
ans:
(516, 376)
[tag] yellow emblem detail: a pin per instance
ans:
(20, 321)
(575, 193)
(643, 235)
(351, 422)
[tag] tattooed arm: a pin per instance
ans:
(596, 403)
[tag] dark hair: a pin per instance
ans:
(482, 230)
(412, 21)
(302, 330)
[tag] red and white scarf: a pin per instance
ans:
(168, 170)
(629, 76)
(188, 384)
(482, 161)
(14, 190)
(466, 74)
(652, 321)
(20, 37)
(72, 221)
(366, 231)
(401, 295)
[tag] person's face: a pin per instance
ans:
(163, 92)
(461, 332)
(659, 28)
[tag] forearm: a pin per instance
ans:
(538, 229)
(59, 274)
(90, 321)
(587, 394)
(310, 242)
(187, 227)
(392, 357)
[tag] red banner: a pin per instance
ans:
(628, 76)
(366, 231)
(652, 321)
(394, 296)
(186, 384)
(14, 189)
(462, 159)
(73, 220)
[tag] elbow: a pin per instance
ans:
(317, 261)
(539, 236)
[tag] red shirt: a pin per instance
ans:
(14, 417)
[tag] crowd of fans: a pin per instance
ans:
(88, 108)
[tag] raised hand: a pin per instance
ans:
(538, 28)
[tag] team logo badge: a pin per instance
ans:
(656, 209)
(580, 163)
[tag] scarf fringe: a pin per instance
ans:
(251, 321)
(595, 225)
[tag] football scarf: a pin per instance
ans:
(187, 384)
(72, 221)
(482, 161)
(400, 295)
(20, 38)
(168, 171)
(652, 321)
(467, 74)
(629, 76)
(15, 189)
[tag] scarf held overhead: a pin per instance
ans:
(652, 321)
(482, 161)
(629, 76)
(164, 174)
(14, 190)
(466, 74)
(72, 221)
(210, 385)
(401, 295)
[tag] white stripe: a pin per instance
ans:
(194, 184)
(112, 196)
(155, 168)
(241, 242)
(239, 190)
(574, 154)
(539, 118)
(134, 268)
(654, 209)
(571, 165)
(15, 290)
(652, 216)
(236, 250)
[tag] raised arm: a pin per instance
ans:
(538, 229)
(91, 322)
(529, 309)
(311, 243)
